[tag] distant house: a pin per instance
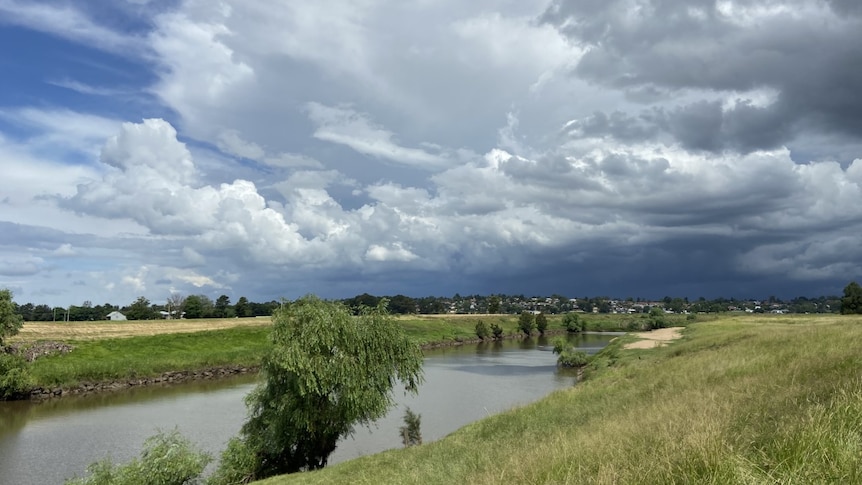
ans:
(116, 316)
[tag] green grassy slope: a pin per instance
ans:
(738, 400)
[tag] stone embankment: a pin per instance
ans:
(166, 378)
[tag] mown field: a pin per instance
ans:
(741, 400)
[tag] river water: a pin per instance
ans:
(47, 442)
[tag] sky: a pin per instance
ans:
(273, 149)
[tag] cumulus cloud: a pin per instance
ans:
(570, 144)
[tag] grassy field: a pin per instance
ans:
(136, 349)
(742, 400)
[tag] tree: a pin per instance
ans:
(494, 304)
(242, 308)
(573, 323)
(482, 330)
(176, 304)
(411, 432)
(852, 301)
(140, 310)
(194, 307)
(525, 322)
(326, 372)
(222, 307)
(10, 322)
(402, 305)
(541, 323)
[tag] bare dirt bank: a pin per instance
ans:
(655, 338)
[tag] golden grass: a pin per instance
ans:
(34, 331)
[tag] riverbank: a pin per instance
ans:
(743, 399)
(111, 356)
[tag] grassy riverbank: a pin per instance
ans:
(105, 351)
(741, 399)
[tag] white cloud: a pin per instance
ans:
(229, 141)
(347, 127)
(68, 22)
(395, 252)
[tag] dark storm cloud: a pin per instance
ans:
(811, 61)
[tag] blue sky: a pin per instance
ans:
(273, 149)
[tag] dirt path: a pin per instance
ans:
(32, 331)
(655, 338)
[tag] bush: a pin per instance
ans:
(411, 432)
(573, 323)
(497, 331)
(541, 323)
(237, 465)
(167, 459)
(569, 357)
(656, 318)
(482, 330)
(525, 323)
(15, 379)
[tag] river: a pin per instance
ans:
(47, 442)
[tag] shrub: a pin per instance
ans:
(525, 323)
(573, 323)
(15, 379)
(497, 331)
(569, 357)
(167, 459)
(656, 318)
(482, 330)
(411, 433)
(541, 323)
(238, 464)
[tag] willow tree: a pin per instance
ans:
(327, 371)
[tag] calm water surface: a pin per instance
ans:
(45, 443)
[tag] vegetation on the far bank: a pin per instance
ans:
(106, 359)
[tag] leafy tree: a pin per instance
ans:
(326, 372)
(482, 330)
(140, 310)
(525, 322)
(541, 323)
(401, 304)
(852, 301)
(167, 459)
(10, 321)
(222, 307)
(494, 304)
(194, 307)
(411, 432)
(573, 323)
(242, 308)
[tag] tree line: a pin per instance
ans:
(202, 306)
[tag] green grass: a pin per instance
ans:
(741, 399)
(147, 356)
